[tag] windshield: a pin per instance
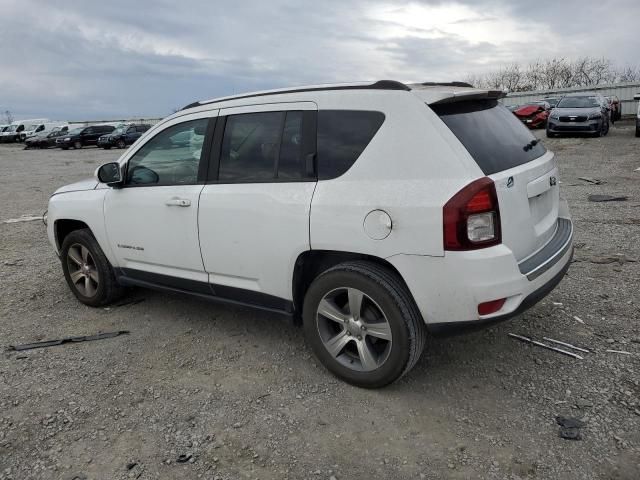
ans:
(493, 136)
(578, 102)
(118, 131)
(12, 128)
(552, 101)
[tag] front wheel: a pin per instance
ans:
(77, 145)
(87, 270)
(120, 144)
(362, 324)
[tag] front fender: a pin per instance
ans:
(85, 206)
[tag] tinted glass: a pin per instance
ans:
(578, 102)
(493, 136)
(342, 136)
(250, 147)
(290, 164)
(171, 157)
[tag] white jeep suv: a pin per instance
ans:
(373, 213)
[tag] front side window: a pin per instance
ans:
(259, 147)
(171, 157)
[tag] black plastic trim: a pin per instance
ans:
(205, 290)
(456, 328)
(379, 85)
(549, 255)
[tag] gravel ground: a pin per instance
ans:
(240, 395)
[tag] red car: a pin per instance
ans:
(534, 114)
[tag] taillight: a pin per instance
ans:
(471, 218)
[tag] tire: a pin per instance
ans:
(95, 283)
(383, 297)
(549, 134)
(637, 132)
(77, 145)
(107, 147)
(65, 148)
(121, 144)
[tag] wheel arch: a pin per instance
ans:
(64, 226)
(312, 263)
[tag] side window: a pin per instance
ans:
(87, 131)
(171, 157)
(342, 136)
(40, 128)
(250, 147)
(131, 130)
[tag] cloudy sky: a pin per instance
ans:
(76, 59)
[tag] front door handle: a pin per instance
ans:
(178, 202)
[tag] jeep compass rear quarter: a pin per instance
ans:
(373, 213)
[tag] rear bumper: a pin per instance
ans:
(449, 289)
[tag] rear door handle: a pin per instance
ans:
(178, 202)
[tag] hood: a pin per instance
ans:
(528, 110)
(575, 111)
(87, 184)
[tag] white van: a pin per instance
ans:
(35, 126)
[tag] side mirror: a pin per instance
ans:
(110, 173)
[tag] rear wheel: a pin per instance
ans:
(362, 324)
(87, 270)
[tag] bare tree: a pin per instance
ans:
(553, 73)
(8, 117)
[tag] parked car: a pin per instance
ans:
(11, 134)
(534, 114)
(553, 101)
(83, 136)
(123, 136)
(41, 128)
(579, 113)
(286, 201)
(46, 139)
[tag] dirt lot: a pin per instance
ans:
(240, 393)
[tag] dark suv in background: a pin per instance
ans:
(83, 136)
(123, 136)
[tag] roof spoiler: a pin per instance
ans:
(475, 95)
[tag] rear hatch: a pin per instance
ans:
(524, 172)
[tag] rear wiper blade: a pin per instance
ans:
(531, 144)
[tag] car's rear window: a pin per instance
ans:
(494, 137)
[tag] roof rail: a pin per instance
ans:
(379, 85)
(446, 84)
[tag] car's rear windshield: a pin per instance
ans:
(494, 136)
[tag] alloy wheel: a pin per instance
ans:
(354, 329)
(82, 270)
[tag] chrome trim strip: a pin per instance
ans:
(549, 255)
